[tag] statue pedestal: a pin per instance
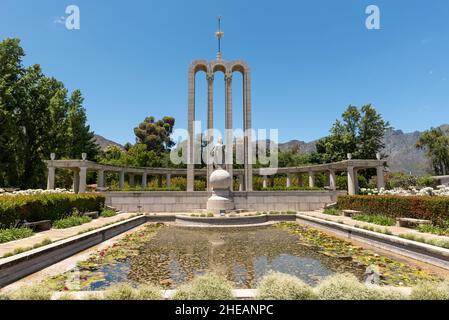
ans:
(221, 199)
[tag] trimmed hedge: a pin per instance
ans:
(435, 209)
(46, 207)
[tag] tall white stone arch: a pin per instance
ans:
(228, 68)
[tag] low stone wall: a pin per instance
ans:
(232, 221)
(21, 265)
(408, 248)
(181, 201)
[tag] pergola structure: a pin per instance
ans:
(81, 167)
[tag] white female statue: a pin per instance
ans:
(218, 153)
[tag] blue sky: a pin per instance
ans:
(309, 59)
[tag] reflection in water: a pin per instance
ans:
(175, 255)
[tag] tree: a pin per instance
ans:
(139, 156)
(360, 132)
(11, 55)
(152, 147)
(36, 119)
(111, 155)
(81, 138)
(156, 134)
(371, 133)
(436, 142)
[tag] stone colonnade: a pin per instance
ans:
(350, 166)
(81, 167)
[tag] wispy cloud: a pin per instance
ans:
(60, 20)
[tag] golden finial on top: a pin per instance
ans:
(219, 34)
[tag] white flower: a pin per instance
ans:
(34, 192)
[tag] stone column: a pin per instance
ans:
(228, 120)
(51, 177)
(132, 180)
(351, 181)
(332, 180)
(265, 182)
(247, 119)
(210, 124)
(356, 181)
(300, 180)
(328, 179)
(121, 182)
(191, 129)
(83, 180)
(241, 182)
(289, 180)
(168, 180)
(100, 179)
(159, 181)
(311, 179)
(380, 177)
(144, 180)
(76, 180)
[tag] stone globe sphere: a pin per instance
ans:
(220, 179)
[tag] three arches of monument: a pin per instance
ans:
(228, 69)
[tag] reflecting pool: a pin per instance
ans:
(171, 255)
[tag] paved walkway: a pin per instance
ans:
(59, 234)
(393, 229)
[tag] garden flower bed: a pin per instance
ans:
(441, 191)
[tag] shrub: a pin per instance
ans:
(434, 242)
(279, 286)
(67, 296)
(404, 180)
(120, 292)
(332, 211)
(127, 292)
(399, 180)
(293, 188)
(4, 297)
(34, 292)
(427, 181)
(107, 213)
(428, 290)
(343, 287)
(19, 250)
(46, 206)
(435, 209)
(382, 293)
(71, 222)
(12, 234)
(207, 287)
(375, 218)
(341, 181)
(149, 292)
(93, 296)
(426, 228)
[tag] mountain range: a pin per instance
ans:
(402, 155)
(400, 150)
